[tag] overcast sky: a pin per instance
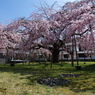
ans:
(12, 9)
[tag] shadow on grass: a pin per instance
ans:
(35, 71)
(84, 83)
(82, 86)
(89, 68)
(44, 69)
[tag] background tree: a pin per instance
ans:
(8, 41)
(53, 29)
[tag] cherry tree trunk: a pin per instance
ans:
(72, 59)
(55, 55)
(6, 56)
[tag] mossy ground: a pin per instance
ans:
(21, 79)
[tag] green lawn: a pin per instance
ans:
(21, 79)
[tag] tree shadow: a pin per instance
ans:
(85, 82)
(89, 69)
(38, 70)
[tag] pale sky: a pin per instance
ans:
(13, 9)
